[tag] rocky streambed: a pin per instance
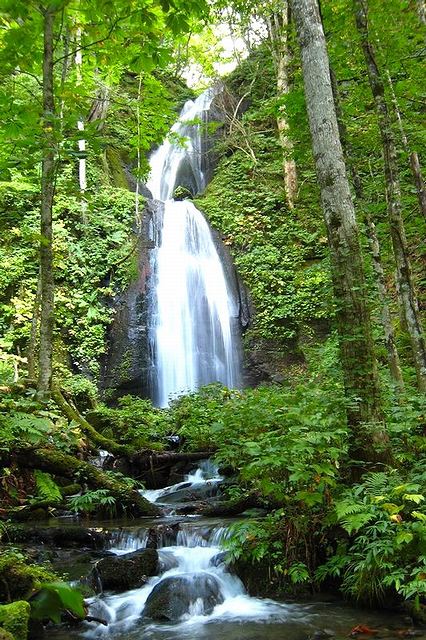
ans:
(168, 579)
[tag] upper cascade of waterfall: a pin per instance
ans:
(182, 151)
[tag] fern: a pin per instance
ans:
(355, 522)
(29, 427)
(348, 507)
(47, 489)
(380, 483)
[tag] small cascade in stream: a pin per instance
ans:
(193, 586)
(193, 326)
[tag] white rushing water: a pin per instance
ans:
(194, 313)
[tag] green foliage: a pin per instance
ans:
(92, 501)
(135, 422)
(53, 599)
(19, 578)
(14, 619)
(23, 420)
(278, 253)
(196, 415)
(47, 489)
(281, 543)
(385, 517)
(93, 258)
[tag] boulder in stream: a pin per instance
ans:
(176, 595)
(125, 572)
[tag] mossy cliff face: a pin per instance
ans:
(278, 252)
(126, 367)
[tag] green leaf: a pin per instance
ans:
(53, 599)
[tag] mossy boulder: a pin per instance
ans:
(122, 573)
(14, 619)
(182, 193)
(18, 579)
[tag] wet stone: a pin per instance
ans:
(125, 572)
(174, 596)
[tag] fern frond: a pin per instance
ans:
(47, 489)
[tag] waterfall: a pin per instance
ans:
(193, 332)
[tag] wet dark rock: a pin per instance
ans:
(256, 577)
(190, 493)
(127, 365)
(172, 597)
(125, 572)
(322, 634)
(218, 559)
(167, 561)
(63, 537)
(164, 535)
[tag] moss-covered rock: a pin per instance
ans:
(18, 579)
(14, 619)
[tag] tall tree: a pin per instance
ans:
(47, 285)
(352, 314)
(277, 22)
(373, 241)
(413, 157)
(404, 280)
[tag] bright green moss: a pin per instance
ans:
(14, 619)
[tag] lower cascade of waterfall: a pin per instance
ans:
(194, 316)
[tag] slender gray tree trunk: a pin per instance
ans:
(369, 439)
(32, 344)
(277, 25)
(413, 157)
(405, 285)
(47, 315)
(373, 241)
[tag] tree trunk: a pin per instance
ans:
(421, 10)
(405, 286)
(369, 443)
(373, 241)
(414, 161)
(47, 315)
(278, 34)
(32, 344)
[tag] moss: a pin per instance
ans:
(5, 635)
(115, 169)
(18, 579)
(14, 619)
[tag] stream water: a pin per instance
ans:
(193, 314)
(217, 605)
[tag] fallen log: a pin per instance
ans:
(149, 459)
(61, 464)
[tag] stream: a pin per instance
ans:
(208, 601)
